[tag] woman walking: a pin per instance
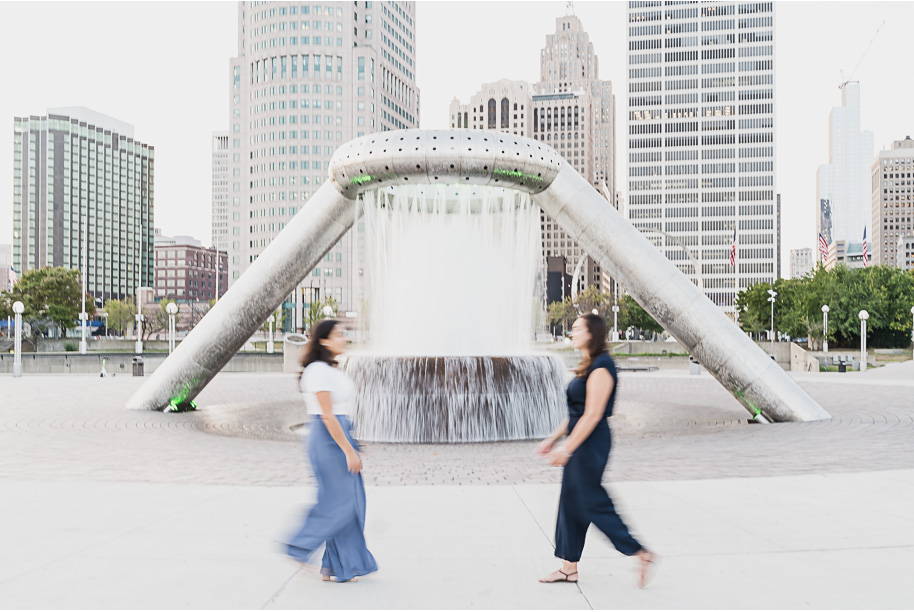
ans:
(338, 518)
(583, 500)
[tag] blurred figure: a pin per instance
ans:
(584, 455)
(338, 518)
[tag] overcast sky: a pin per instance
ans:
(164, 68)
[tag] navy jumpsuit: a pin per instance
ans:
(583, 499)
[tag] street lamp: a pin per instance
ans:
(105, 314)
(912, 325)
(172, 310)
(864, 315)
(772, 294)
(139, 322)
(83, 316)
(328, 311)
(270, 340)
(615, 322)
(18, 308)
(825, 328)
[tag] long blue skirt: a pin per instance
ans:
(337, 520)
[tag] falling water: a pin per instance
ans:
(452, 278)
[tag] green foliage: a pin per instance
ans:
(70, 346)
(121, 315)
(315, 311)
(631, 314)
(50, 296)
(887, 294)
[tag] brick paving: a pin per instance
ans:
(668, 426)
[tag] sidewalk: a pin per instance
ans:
(832, 541)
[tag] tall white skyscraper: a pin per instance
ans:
(220, 194)
(308, 78)
(844, 192)
(701, 143)
(572, 111)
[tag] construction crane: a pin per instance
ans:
(860, 61)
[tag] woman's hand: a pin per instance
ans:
(558, 457)
(544, 447)
(353, 462)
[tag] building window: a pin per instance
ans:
(492, 122)
(505, 110)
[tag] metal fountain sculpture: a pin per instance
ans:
(412, 157)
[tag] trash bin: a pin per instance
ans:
(694, 366)
(138, 366)
(842, 366)
(293, 345)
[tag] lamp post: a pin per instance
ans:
(18, 308)
(270, 339)
(172, 310)
(771, 295)
(139, 323)
(912, 325)
(83, 317)
(825, 328)
(615, 322)
(864, 315)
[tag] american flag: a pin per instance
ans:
(823, 247)
(866, 252)
(733, 250)
(13, 279)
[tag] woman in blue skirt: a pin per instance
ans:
(584, 455)
(337, 520)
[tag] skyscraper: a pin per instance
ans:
(83, 198)
(893, 203)
(801, 262)
(308, 78)
(843, 187)
(701, 143)
(220, 191)
(572, 111)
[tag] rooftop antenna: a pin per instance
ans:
(860, 61)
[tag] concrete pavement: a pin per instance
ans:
(106, 508)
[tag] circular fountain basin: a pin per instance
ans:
(426, 399)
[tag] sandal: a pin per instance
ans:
(564, 577)
(647, 560)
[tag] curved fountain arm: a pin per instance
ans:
(662, 290)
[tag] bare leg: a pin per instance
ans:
(568, 573)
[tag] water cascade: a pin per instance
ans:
(452, 281)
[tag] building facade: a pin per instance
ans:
(701, 140)
(893, 203)
(6, 260)
(843, 186)
(187, 272)
(83, 198)
(904, 253)
(307, 79)
(801, 262)
(220, 191)
(572, 111)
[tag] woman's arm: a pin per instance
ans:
(546, 445)
(599, 387)
(353, 462)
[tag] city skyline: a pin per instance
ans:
(175, 94)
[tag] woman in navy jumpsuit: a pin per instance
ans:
(584, 455)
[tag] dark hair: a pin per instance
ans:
(597, 328)
(315, 351)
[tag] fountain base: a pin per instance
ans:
(456, 399)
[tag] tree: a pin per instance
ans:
(561, 314)
(278, 317)
(315, 311)
(593, 299)
(156, 318)
(121, 315)
(631, 314)
(51, 296)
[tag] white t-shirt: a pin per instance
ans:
(321, 376)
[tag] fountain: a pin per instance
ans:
(452, 287)
(465, 157)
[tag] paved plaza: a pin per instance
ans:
(109, 508)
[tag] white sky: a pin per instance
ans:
(164, 68)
